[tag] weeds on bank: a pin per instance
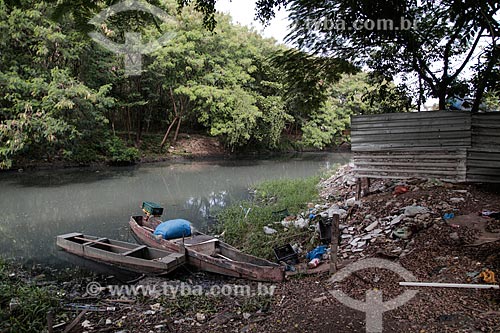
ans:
(244, 221)
(23, 306)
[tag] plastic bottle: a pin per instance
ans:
(313, 263)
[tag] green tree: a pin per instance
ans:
(352, 94)
(438, 48)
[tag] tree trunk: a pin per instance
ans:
(177, 129)
(129, 124)
(442, 96)
(140, 113)
(138, 134)
(168, 132)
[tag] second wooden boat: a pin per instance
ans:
(208, 253)
(124, 255)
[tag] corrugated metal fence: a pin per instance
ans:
(450, 145)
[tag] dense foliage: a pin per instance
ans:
(438, 41)
(67, 98)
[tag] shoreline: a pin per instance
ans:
(170, 157)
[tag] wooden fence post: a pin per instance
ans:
(358, 188)
(334, 243)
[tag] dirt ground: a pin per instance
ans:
(194, 145)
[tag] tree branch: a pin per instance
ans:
(469, 55)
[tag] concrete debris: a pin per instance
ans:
(372, 226)
(398, 219)
(411, 211)
(350, 202)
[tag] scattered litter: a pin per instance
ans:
(448, 216)
(313, 263)
(316, 253)
(488, 276)
(269, 231)
(400, 189)
(403, 233)
(200, 317)
(350, 202)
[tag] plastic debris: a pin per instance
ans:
(488, 276)
(314, 263)
(400, 189)
(269, 231)
(317, 252)
(448, 216)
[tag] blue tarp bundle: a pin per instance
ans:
(317, 252)
(174, 229)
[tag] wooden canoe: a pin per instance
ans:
(128, 256)
(209, 254)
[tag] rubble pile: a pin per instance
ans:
(385, 219)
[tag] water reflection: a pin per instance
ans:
(38, 206)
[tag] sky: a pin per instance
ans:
(243, 12)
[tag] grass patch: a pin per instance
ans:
(245, 230)
(23, 305)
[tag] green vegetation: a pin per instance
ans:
(23, 306)
(67, 99)
(246, 232)
(434, 41)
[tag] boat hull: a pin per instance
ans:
(131, 257)
(240, 266)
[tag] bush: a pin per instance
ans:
(118, 153)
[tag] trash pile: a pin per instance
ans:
(385, 219)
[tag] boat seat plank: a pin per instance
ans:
(99, 240)
(198, 239)
(137, 249)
